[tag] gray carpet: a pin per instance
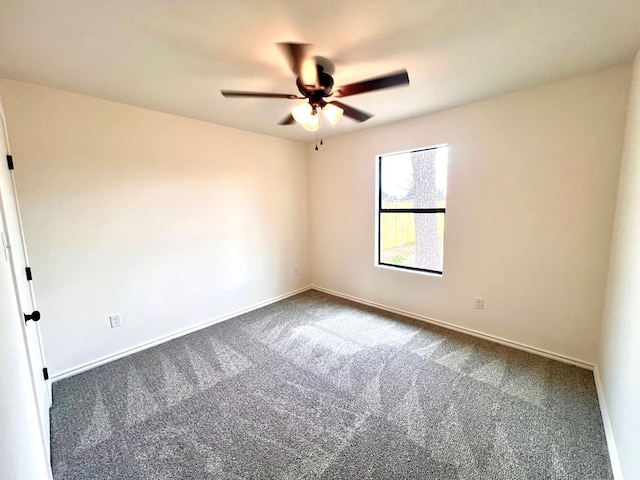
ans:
(316, 387)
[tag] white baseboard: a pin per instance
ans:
(123, 353)
(143, 346)
(608, 431)
(468, 331)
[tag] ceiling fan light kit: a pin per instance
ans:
(316, 84)
(307, 115)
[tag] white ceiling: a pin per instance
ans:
(175, 55)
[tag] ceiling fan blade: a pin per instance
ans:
(287, 120)
(400, 77)
(301, 64)
(238, 93)
(356, 114)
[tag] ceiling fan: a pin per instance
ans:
(315, 84)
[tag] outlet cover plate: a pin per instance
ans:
(115, 320)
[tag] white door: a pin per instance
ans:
(14, 249)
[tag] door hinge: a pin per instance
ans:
(29, 276)
(10, 162)
(45, 373)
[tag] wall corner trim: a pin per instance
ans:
(138, 348)
(608, 430)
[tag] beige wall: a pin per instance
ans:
(619, 361)
(531, 194)
(170, 222)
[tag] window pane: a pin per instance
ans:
(414, 179)
(412, 240)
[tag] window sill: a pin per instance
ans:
(408, 270)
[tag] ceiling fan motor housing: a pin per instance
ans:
(315, 94)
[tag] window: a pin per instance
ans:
(412, 192)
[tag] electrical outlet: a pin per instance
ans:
(479, 303)
(115, 320)
(295, 272)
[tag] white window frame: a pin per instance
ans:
(380, 211)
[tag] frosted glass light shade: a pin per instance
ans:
(311, 124)
(333, 113)
(302, 113)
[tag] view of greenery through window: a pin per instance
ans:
(412, 202)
